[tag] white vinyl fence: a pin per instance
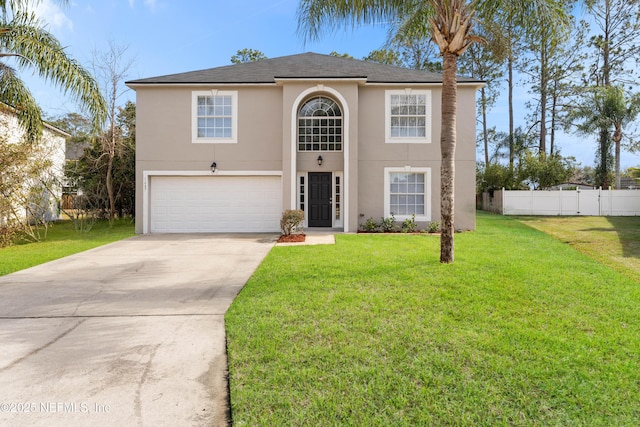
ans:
(564, 202)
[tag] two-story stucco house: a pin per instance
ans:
(228, 149)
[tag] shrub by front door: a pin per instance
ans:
(320, 203)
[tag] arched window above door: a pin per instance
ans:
(320, 125)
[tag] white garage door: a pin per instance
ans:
(209, 204)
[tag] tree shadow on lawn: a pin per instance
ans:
(613, 241)
(628, 231)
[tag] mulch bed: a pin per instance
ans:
(292, 238)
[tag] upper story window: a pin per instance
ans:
(320, 125)
(408, 116)
(214, 116)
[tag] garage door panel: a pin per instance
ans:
(215, 204)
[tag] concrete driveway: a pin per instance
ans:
(127, 334)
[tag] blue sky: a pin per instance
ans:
(171, 36)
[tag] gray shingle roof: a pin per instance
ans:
(300, 66)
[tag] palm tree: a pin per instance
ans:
(450, 24)
(606, 110)
(23, 38)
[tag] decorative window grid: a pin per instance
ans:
(301, 186)
(320, 125)
(407, 194)
(215, 114)
(408, 116)
(338, 197)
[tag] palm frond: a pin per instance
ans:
(40, 50)
(22, 5)
(415, 25)
(451, 26)
(15, 94)
(318, 16)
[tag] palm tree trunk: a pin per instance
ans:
(448, 152)
(617, 172)
(602, 171)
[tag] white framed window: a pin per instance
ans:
(407, 192)
(320, 125)
(338, 201)
(408, 116)
(214, 115)
(302, 178)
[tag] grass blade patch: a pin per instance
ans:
(520, 330)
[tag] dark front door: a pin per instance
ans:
(320, 199)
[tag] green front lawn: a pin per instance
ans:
(613, 241)
(62, 240)
(520, 330)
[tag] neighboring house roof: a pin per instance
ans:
(301, 66)
(565, 185)
(56, 130)
(627, 182)
(12, 110)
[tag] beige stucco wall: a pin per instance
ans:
(375, 155)
(347, 95)
(164, 131)
(267, 142)
(164, 141)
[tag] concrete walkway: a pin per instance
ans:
(129, 334)
(315, 237)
